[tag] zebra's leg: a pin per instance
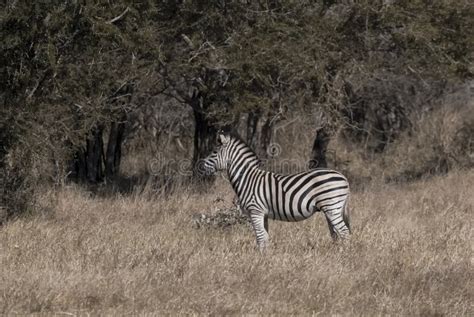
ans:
(336, 223)
(331, 229)
(258, 224)
(265, 223)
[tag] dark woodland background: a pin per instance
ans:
(377, 89)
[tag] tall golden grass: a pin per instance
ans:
(410, 254)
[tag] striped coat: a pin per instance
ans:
(263, 194)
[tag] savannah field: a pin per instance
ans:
(107, 109)
(410, 254)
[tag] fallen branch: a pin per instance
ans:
(119, 16)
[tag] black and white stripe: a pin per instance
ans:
(295, 197)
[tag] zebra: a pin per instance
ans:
(264, 195)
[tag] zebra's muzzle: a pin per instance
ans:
(205, 167)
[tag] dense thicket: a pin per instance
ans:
(75, 74)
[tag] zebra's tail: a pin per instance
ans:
(346, 216)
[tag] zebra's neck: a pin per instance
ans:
(243, 163)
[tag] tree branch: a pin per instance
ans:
(119, 16)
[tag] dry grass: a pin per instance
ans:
(411, 254)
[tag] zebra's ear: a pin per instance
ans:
(224, 139)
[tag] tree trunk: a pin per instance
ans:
(114, 149)
(205, 134)
(318, 152)
(251, 130)
(265, 139)
(258, 134)
(87, 163)
(94, 170)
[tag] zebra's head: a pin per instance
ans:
(217, 160)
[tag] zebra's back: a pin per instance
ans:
(298, 196)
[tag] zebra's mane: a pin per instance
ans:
(238, 139)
